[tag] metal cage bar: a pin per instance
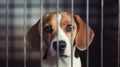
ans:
(102, 7)
(24, 28)
(41, 33)
(72, 10)
(7, 45)
(119, 33)
(57, 9)
(87, 31)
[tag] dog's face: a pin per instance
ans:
(57, 31)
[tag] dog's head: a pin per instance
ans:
(57, 31)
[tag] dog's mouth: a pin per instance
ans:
(63, 55)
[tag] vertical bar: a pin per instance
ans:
(87, 31)
(7, 45)
(102, 7)
(24, 27)
(41, 33)
(57, 34)
(119, 33)
(72, 10)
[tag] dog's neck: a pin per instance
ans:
(62, 61)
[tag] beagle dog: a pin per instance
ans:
(57, 30)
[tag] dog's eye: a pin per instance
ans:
(69, 28)
(48, 29)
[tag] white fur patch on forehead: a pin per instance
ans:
(58, 19)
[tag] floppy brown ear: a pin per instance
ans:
(81, 34)
(33, 37)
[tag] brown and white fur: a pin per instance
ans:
(59, 27)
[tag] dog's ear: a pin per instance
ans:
(33, 36)
(81, 34)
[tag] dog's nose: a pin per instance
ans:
(62, 46)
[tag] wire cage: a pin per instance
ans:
(18, 16)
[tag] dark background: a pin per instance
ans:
(16, 31)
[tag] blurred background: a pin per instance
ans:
(16, 30)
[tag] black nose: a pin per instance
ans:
(62, 46)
